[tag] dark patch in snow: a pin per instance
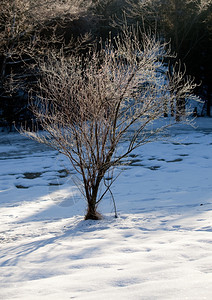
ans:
(174, 160)
(19, 186)
(32, 175)
(153, 168)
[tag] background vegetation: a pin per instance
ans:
(29, 28)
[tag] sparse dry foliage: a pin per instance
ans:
(28, 29)
(22, 20)
(89, 104)
(187, 24)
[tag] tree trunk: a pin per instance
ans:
(209, 102)
(92, 213)
(180, 108)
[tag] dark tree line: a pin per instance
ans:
(188, 25)
(29, 28)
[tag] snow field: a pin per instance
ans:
(160, 247)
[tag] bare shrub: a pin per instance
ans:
(89, 104)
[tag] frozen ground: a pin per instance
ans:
(160, 247)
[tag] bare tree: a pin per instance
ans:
(27, 29)
(187, 24)
(90, 104)
(21, 22)
(176, 19)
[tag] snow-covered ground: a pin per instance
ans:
(160, 247)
